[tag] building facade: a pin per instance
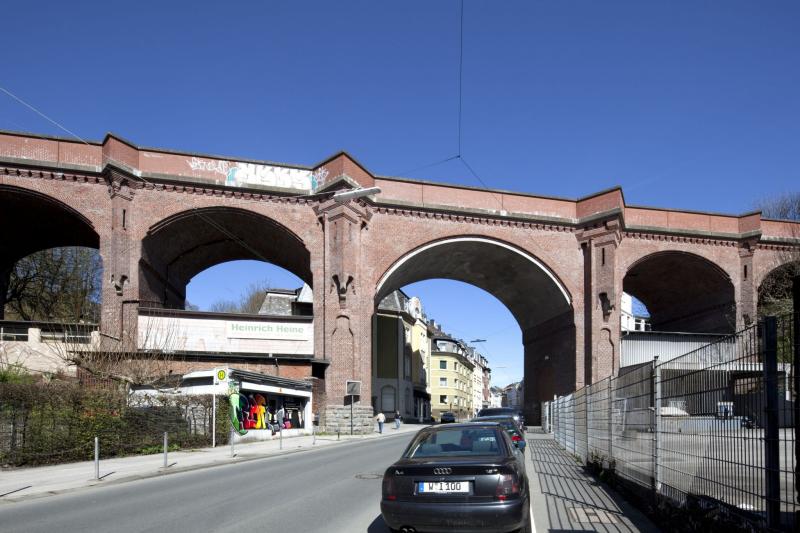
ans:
(400, 352)
(451, 378)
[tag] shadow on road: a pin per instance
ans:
(378, 526)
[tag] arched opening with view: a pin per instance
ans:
(775, 290)
(536, 298)
(683, 292)
(183, 245)
(227, 287)
(50, 279)
(46, 244)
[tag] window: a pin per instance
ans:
(443, 364)
(443, 382)
(387, 398)
(443, 398)
(455, 367)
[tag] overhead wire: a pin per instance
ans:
(215, 224)
(460, 155)
(32, 108)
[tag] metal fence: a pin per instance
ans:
(714, 426)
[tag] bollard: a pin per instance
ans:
(338, 433)
(280, 436)
(313, 435)
(97, 458)
(232, 453)
(166, 447)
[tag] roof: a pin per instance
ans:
(265, 379)
(394, 301)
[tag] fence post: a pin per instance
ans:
(214, 420)
(796, 376)
(657, 445)
(97, 457)
(771, 442)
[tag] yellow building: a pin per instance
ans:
(451, 378)
(401, 347)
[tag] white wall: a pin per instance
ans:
(217, 335)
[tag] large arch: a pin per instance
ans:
(34, 221)
(533, 293)
(495, 266)
(183, 245)
(683, 292)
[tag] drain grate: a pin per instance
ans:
(369, 476)
(591, 516)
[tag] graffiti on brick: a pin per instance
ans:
(238, 174)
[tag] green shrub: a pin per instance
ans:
(45, 423)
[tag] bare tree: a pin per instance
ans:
(775, 292)
(59, 283)
(145, 355)
(249, 302)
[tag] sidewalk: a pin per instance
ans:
(26, 482)
(565, 498)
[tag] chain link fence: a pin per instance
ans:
(711, 429)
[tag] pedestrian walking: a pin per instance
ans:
(381, 418)
(397, 420)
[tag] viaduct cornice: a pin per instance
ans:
(43, 157)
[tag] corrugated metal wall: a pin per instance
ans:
(640, 346)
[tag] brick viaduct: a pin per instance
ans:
(159, 217)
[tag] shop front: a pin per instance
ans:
(259, 406)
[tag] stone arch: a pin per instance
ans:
(683, 291)
(472, 259)
(533, 293)
(39, 222)
(182, 245)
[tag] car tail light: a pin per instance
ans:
(389, 492)
(516, 438)
(507, 487)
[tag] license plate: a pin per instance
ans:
(443, 487)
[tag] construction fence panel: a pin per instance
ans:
(581, 432)
(568, 409)
(598, 421)
(633, 425)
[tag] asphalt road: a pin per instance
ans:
(330, 489)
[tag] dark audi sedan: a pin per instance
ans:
(459, 477)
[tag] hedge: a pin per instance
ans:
(56, 422)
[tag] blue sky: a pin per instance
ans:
(684, 104)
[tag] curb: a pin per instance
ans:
(160, 472)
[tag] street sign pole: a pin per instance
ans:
(352, 389)
(214, 420)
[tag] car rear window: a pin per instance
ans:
(457, 442)
(499, 411)
(507, 423)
